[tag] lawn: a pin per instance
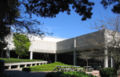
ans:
(68, 74)
(14, 60)
(47, 67)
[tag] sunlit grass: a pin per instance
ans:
(47, 67)
(14, 60)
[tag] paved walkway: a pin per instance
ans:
(15, 73)
(19, 73)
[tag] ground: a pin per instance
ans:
(15, 73)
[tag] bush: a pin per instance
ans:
(47, 67)
(1, 66)
(3, 75)
(108, 72)
(68, 74)
(26, 69)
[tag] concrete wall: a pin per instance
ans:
(65, 46)
(43, 46)
(93, 40)
(38, 44)
(112, 38)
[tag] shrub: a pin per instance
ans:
(26, 69)
(1, 66)
(3, 74)
(107, 72)
(68, 74)
(47, 67)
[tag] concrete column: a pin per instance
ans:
(55, 57)
(9, 67)
(18, 66)
(106, 57)
(25, 65)
(111, 61)
(31, 55)
(74, 53)
(8, 53)
(31, 65)
(35, 64)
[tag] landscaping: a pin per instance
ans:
(14, 60)
(108, 72)
(68, 74)
(47, 67)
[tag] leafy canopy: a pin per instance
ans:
(10, 12)
(22, 44)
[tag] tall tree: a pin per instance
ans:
(22, 44)
(10, 12)
(113, 40)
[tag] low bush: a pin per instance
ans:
(68, 74)
(47, 67)
(1, 66)
(3, 75)
(108, 72)
(26, 69)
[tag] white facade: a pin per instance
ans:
(38, 44)
(95, 40)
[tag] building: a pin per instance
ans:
(94, 44)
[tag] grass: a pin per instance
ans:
(68, 74)
(14, 60)
(47, 67)
(77, 74)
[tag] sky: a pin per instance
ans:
(68, 26)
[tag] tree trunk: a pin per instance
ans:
(86, 62)
(116, 67)
(18, 57)
(2, 54)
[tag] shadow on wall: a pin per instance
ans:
(67, 58)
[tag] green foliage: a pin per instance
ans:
(108, 72)
(9, 11)
(52, 8)
(1, 66)
(44, 8)
(68, 68)
(14, 60)
(22, 44)
(3, 75)
(26, 69)
(47, 67)
(8, 16)
(68, 74)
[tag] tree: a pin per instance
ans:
(10, 12)
(86, 55)
(22, 44)
(113, 40)
(116, 4)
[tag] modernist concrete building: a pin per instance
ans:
(98, 41)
